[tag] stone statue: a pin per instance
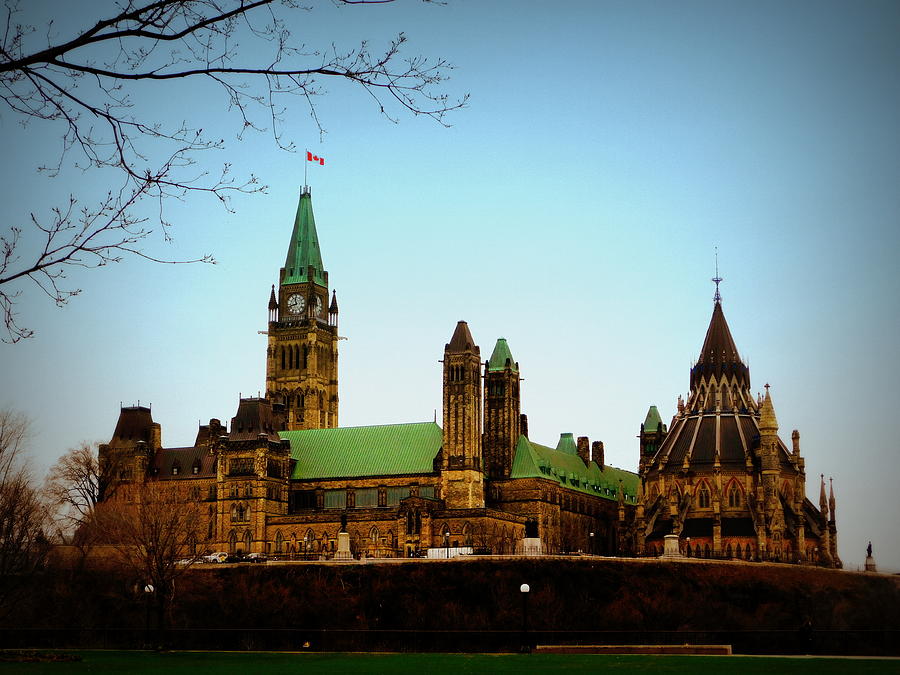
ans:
(869, 550)
(344, 521)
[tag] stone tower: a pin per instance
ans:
(462, 471)
(302, 355)
(502, 415)
(252, 474)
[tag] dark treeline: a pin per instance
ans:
(566, 596)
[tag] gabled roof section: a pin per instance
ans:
(653, 421)
(533, 460)
(462, 340)
(502, 358)
(352, 452)
(303, 250)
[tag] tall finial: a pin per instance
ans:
(717, 279)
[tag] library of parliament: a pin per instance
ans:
(283, 478)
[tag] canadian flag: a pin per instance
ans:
(313, 158)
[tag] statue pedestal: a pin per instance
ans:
(870, 564)
(343, 549)
(670, 547)
(532, 546)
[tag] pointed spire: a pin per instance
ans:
(462, 340)
(719, 355)
(502, 358)
(768, 423)
(831, 496)
(719, 347)
(273, 301)
(333, 309)
(303, 250)
(652, 421)
(823, 500)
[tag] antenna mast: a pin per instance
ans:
(717, 280)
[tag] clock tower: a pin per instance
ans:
(302, 355)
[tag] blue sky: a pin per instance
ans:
(573, 208)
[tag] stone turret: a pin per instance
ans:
(462, 471)
(502, 415)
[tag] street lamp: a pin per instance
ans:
(447, 544)
(148, 593)
(591, 549)
(525, 589)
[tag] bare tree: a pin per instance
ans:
(75, 484)
(157, 534)
(23, 544)
(81, 87)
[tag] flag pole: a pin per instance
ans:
(305, 164)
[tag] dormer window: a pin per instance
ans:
(195, 467)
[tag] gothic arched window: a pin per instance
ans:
(703, 496)
(734, 496)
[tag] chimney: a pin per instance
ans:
(584, 449)
(597, 453)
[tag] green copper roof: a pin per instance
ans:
(653, 421)
(351, 452)
(502, 358)
(566, 444)
(538, 461)
(303, 251)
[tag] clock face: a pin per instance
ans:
(319, 306)
(296, 303)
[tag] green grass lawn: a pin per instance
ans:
(225, 663)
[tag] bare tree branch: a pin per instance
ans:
(23, 543)
(82, 87)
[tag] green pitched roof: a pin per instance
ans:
(351, 452)
(303, 251)
(501, 358)
(533, 460)
(653, 421)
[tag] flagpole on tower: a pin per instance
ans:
(305, 167)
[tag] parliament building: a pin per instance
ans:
(284, 479)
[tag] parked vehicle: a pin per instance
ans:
(217, 557)
(256, 557)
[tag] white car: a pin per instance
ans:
(217, 557)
